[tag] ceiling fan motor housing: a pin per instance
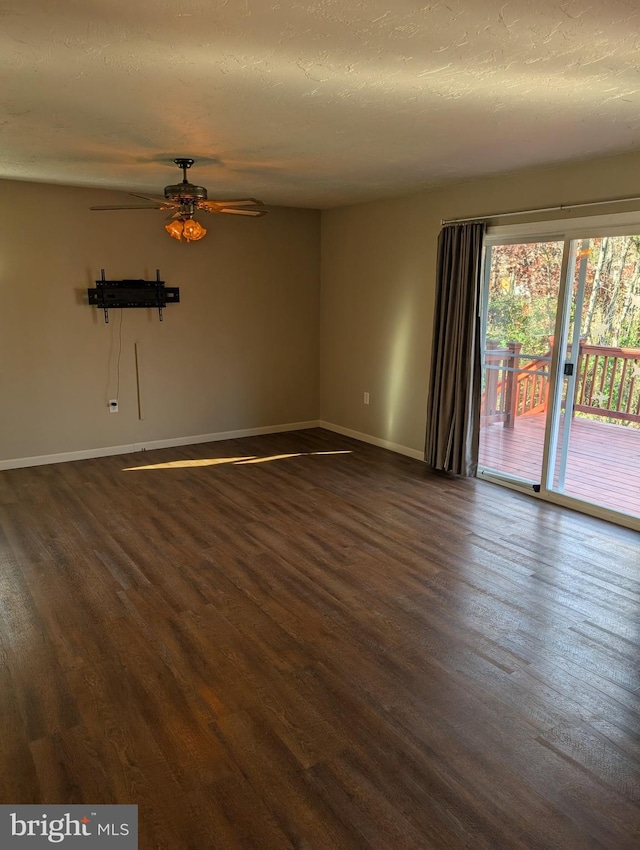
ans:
(185, 193)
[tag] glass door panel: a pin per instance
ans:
(596, 456)
(522, 283)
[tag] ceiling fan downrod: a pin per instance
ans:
(184, 163)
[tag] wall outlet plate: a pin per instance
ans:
(113, 405)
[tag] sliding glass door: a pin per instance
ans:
(561, 372)
(596, 457)
(522, 285)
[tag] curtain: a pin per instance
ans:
(453, 423)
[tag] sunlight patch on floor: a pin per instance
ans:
(243, 460)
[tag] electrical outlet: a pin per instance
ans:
(366, 398)
(113, 405)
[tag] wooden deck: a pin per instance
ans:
(603, 465)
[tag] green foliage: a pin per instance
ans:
(523, 294)
(524, 282)
(521, 319)
(523, 291)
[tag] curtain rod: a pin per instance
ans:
(560, 208)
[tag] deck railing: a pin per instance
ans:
(608, 383)
(511, 389)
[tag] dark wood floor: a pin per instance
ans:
(268, 645)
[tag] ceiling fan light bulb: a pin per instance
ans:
(192, 230)
(174, 228)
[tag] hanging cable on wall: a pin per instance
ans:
(109, 399)
(119, 355)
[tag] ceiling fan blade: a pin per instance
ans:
(241, 211)
(133, 207)
(157, 199)
(236, 202)
(240, 206)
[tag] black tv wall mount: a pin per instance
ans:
(132, 293)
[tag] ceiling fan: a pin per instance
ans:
(184, 199)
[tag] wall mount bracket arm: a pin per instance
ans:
(132, 293)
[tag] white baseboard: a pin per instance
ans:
(64, 457)
(106, 451)
(224, 435)
(374, 441)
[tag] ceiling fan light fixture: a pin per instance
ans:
(174, 228)
(187, 227)
(192, 230)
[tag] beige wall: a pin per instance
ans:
(378, 279)
(254, 331)
(240, 351)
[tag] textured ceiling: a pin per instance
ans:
(311, 103)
